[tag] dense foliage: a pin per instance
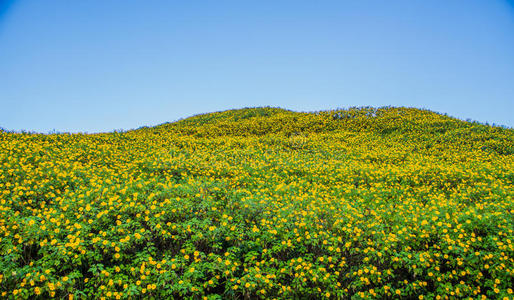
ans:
(269, 203)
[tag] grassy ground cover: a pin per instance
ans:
(262, 203)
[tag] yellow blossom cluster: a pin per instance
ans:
(262, 203)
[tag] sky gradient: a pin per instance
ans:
(97, 66)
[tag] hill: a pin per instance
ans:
(262, 203)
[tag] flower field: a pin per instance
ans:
(262, 203)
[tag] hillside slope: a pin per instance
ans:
(410, 122)
(262, 203)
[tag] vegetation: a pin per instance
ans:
(262, 203)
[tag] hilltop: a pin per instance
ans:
(434, 128)
(265, 120)
(262, 203)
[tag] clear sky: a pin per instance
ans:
(94, 66)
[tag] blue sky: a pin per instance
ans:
(94, 66)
